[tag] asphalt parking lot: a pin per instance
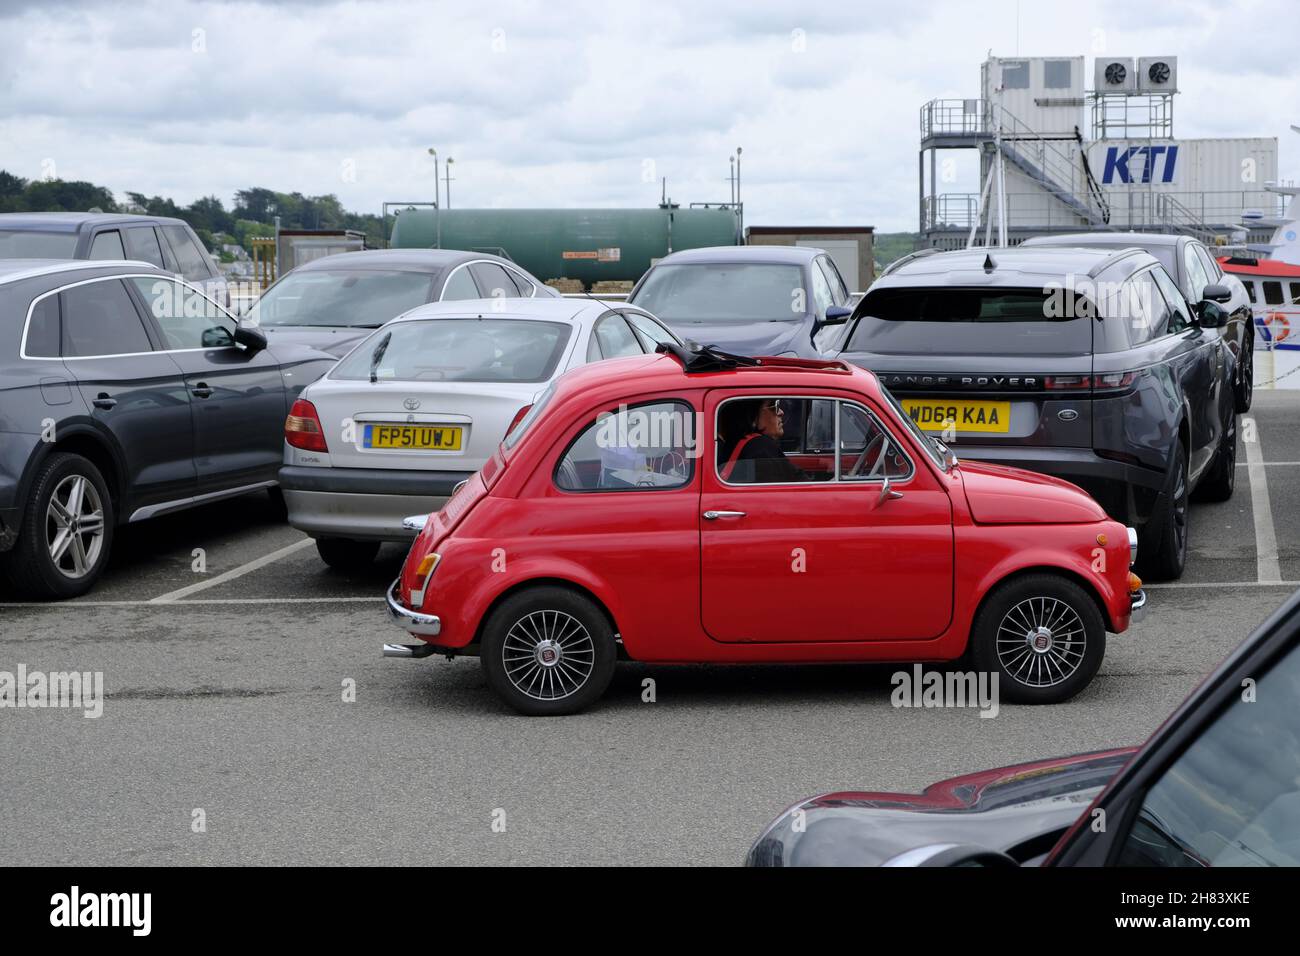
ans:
(224, 693)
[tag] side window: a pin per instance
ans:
(651, 333)
(1015, 74)
(100, 318)
(460, 286)
(838, 290)
(821, 290)
(493, 281)
(867, 451)
(107, 245)
(647, 447)
(1273, 293)
(1143, 309)
(193, 263)
(188, 319)
(1180, 317)
(142, 243)
(1233, 797)
(613, 339)
(775, 440)
(1295, 293)
(526, 288)
(1249, 286)
(1211, 267)
(43, 329)
(1197, 279)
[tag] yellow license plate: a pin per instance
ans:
(934, 415)
(423, 437)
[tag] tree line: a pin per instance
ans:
(252, 215)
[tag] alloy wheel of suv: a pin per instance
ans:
(67, 530)
(1245, 391)
(1163, 551)
(1044, 637)
(548, 651)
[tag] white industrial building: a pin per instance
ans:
(1087, 159)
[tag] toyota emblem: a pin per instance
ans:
(411, 404)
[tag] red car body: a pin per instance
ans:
(887, 578)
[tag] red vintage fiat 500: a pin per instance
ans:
(694, 507)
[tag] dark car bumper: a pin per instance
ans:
(1129, 493)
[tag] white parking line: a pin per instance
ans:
(172, 596)
(1221, 584)
(71, 605)
(1266, 557)
(1272, 464)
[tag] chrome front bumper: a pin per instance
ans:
(1139, 602)
(413, 622)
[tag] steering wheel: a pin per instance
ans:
(876, 442)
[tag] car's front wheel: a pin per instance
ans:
(345, 554)
(1244, 389)
(67, 530)
(548, 651)
(1042, 635)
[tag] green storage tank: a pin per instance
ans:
(591, 245)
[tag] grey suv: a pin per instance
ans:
(1089, 365)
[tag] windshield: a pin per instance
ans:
(460, 350)
(341, 297)
(984, 321)
(724, 292)
(931, 444)
(30, 244)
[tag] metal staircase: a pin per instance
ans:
(1051, 164)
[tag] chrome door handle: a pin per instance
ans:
(715, 515)
(104, 401)
(201, 390)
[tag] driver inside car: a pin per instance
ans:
(748, 453)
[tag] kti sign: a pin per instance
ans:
(1139, 164)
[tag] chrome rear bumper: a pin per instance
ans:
(1139, 602)
(413, 622)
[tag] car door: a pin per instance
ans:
(836, 557)
(236, 396)
(1195, 356)
(133, 390)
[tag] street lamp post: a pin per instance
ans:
(437, 205)
(447, 178)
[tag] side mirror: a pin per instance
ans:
(1217, 293)
(836, 315)
(1211, 315)
(250, 338)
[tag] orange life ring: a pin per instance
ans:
(1279, 327)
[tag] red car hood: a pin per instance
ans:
(1001, 495)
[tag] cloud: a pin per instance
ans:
(580, 104)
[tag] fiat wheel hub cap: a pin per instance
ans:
(1040, 640)
(548, 653)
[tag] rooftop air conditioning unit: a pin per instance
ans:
(1158, 74)
(1115, 74)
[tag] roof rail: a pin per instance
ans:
(1113, 258)
(705, 358)
(918, 254)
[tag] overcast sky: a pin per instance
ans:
(577, 104)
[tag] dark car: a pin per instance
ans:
(124, 394)
(1199, 276)
(1088, 365)
(750, 300)
(1218, 784)
(159, 240)
(335, 301)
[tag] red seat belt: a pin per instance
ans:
(730, 465)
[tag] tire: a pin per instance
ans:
(1038, 672)
(345, 554)
(1243, 392)
(544, 619)
(1162, 551)
(32, 565)
(1219, 483)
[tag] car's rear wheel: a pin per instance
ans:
(345, 554)
(67, 530)
(1244, 390)
(548, 651)
(1162, 553)
(1042, 635)
(1219, 483)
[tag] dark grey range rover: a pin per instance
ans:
(1089, 365)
